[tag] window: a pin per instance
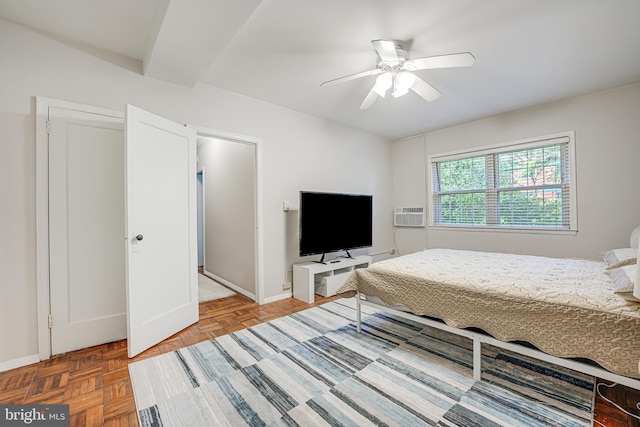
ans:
(523, 184)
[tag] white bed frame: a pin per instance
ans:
(478, 339)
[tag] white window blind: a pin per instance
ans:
(527, 184)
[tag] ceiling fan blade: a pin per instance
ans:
(369, 99)
(464, 59)
(425, 90)
(386, 51)
(352, 77)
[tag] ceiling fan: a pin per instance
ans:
(395, 72)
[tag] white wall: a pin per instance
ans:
(366, 172)
(409, 190)
(299, 152)
(607, 126)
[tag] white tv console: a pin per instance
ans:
(310, 278)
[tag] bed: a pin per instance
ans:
(567, 309)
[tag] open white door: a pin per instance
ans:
(161, 241)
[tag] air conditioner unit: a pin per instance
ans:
(409, 217)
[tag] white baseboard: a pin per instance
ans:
(246, 293)
(230, 285)
(275, 298)
(19, 362)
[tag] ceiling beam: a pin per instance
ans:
(189, 35)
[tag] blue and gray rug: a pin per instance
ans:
(313, 369)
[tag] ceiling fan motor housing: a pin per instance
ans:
(403, 55)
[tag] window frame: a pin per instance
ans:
(567, 137)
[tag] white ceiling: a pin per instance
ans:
(528, 52)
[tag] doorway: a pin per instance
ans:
(231, 210)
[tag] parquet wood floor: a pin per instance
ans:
(95, 381)
(608, 415)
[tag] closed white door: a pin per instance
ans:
(161, 224)
(86, 228)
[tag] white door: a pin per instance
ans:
(161, 240)
(86, 225)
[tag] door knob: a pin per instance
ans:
(139, 237)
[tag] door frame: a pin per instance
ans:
(258, 214)
(42, 210)
(201, 190)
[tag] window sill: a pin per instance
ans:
(520, 230)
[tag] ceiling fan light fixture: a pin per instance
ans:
(383, 83)
(402, 83)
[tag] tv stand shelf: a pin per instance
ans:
(310, 278)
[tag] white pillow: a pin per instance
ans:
(636, 288)
(615, 258)
(625, 282)
(623, 278)
(634, 240)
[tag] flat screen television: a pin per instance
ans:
(331, 222)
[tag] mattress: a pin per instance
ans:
(564, 307)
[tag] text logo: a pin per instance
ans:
(34, 415)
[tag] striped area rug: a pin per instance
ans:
(313, 369)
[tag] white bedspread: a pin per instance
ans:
(565, 281)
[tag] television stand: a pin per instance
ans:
(310, 278)
(335, 260)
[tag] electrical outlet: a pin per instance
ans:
(286, 286)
